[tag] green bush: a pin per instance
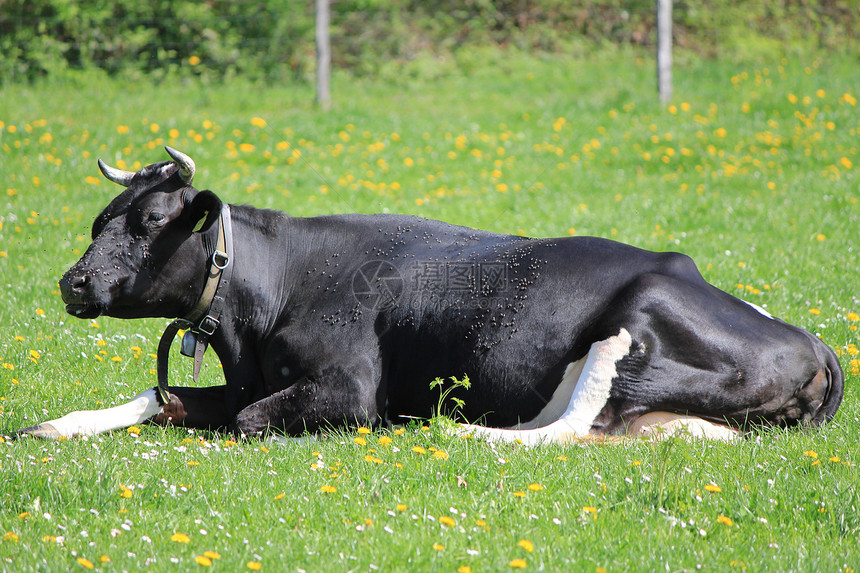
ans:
(275, 38)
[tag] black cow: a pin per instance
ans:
(344, 320)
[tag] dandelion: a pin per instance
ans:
(192, 464)
(518, 564)
(520, 493)
(713, 488)
(810, 453)
(125, 492)
(180, 538)
(254, 565)
(535, 487)
(447, 521)
(194, 60)
(104, 559)
(464, 569)
(438, 547)
(258, 122)
(328, 489)
(727, 521)
(85, 563)
(384, 440)
(440, 455)
(401, 507)
(853, 316)
(419, 450)
(203, 560)
(526, 544)
(10, 536)
(360, 441)
(814, 311)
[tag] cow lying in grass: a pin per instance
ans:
(345, 320)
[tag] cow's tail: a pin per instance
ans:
(836, 383)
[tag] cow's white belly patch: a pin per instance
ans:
(585, 387)
(91, 422)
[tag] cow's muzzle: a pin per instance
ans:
(76, 290)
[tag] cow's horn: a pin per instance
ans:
(116, 175)
(185, 163)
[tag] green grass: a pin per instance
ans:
(760, 187)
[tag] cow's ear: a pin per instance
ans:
(203, 211)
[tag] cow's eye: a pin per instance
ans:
(156, 218)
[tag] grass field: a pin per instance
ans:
(752, 170)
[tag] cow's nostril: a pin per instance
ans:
(79, 283)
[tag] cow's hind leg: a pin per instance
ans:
(589, 397)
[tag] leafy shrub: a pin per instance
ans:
(274, 39)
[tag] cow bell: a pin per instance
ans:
(189, 344)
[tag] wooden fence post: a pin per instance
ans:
(664, 49)
(323, 40)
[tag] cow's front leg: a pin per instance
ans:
(201, 408)
(90, 422)
(310, 404)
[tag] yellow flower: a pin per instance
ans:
(384, 440)
(440, 455)
(814, 311)
(104, 559)
(360, 441)
(464, 569)
(180, 538)
(254, 565)
(328, 489)
(713, 488)
(419, 450)
(811, 453)
(727, 521)
(203, 560)
(192, 463)
(447, 521)
(526, 544)
(194, 60)
(853, 316)
(10, 536)
(363, 430)
(401, 507)
(518, 564)
(520, 493)
(125, 492)
(535, 486)
(85, 563)
(438, 547)
(258, 122)
(399, 431)
(280, 496)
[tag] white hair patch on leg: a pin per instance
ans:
(91, 422)
(660, 425)
(593, 386)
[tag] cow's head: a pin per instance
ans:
(149, 251)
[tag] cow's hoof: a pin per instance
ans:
(46, 431)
